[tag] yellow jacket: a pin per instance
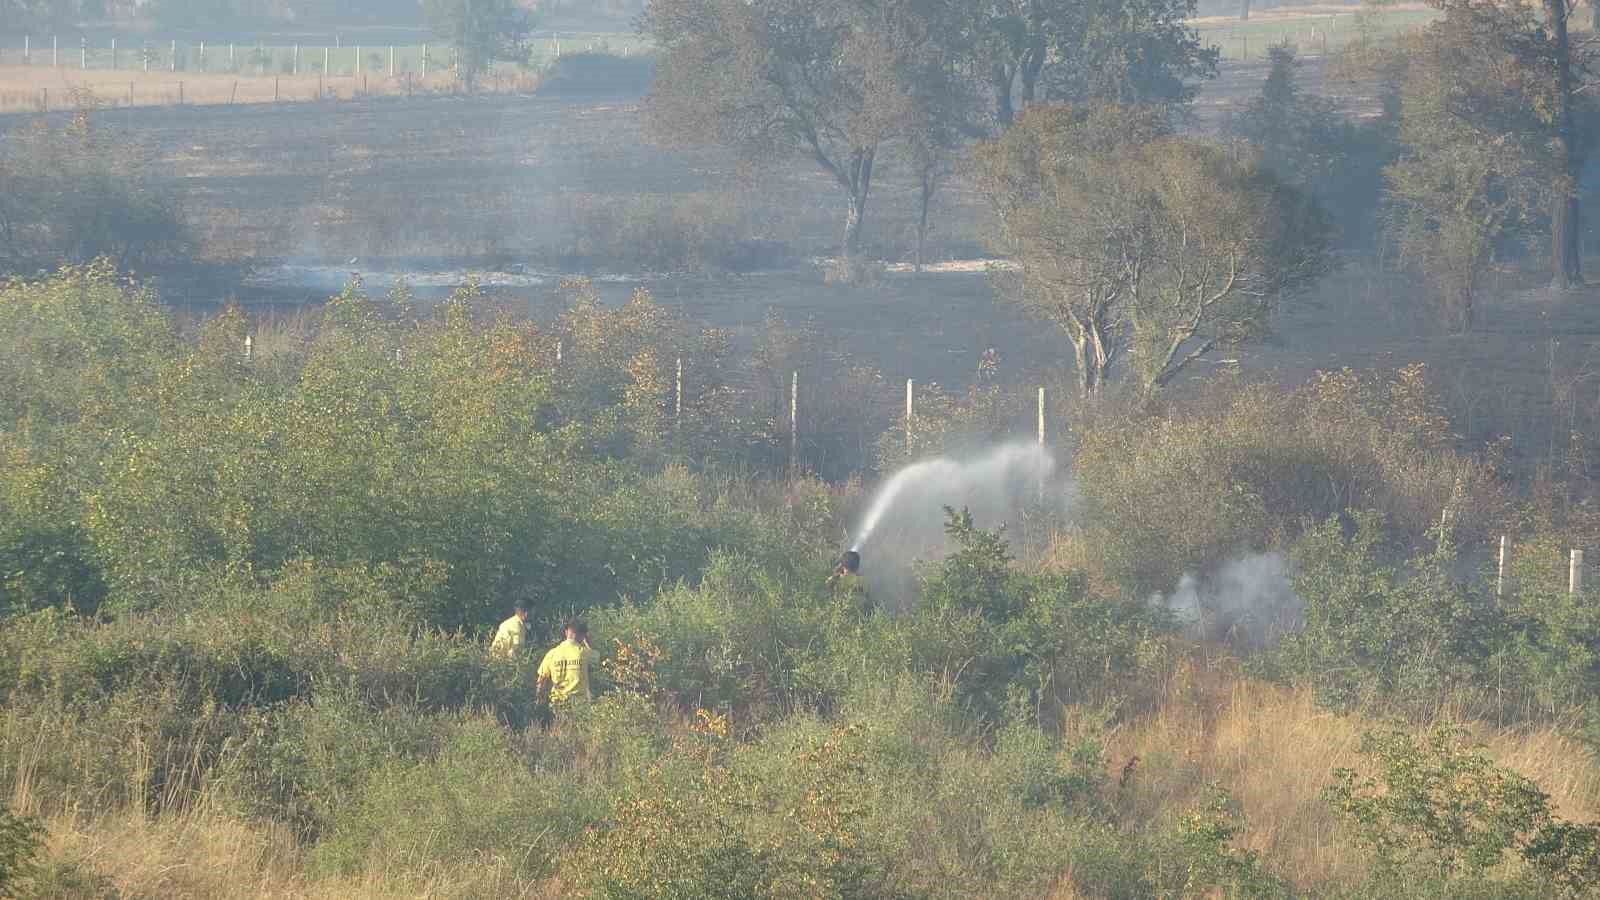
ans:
(509, 639)
(567, 667)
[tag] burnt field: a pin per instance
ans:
(288, 201)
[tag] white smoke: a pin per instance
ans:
(1250, 599)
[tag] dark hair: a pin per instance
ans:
(576, 626)
(520, 607)
(851, 561)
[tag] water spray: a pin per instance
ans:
(904, 523)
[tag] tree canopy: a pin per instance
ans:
(830, 80)
(481, 31)
(1142, 243)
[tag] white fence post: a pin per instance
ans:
(359, 67)
(172, 61)
(55, 51)
(424, 62)
(297, 59)
(794, 422)
(1500, 571)
(391, 60)
(249, 347)
(27, 49)
(1041, 417)
(1575, 572)
(909, 389)
(677, 393)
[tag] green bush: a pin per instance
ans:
(1441, 808)
(19, 845)
(476, 796)
(1247, 467)
(1018, 643)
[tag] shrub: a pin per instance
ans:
(475, 797)
(1246, 467)
(1437, 806)
(19, 844)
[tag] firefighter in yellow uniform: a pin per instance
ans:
(512, 634)
(564, 672)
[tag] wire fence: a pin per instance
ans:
(262, 58)
(39, 74)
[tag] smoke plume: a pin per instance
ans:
(1249, 600)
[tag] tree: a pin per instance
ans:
(1305, 140)
(1479, 160)
(1126, 51)
(482, 32)
(1140, 242)
(832, 80)
(1547, 75)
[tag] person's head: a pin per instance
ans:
(850, 562)
(575, 630)
(521, 612)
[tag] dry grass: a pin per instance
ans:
(1271, 747)
(41, 88)
(209, 853)
(1274, 750)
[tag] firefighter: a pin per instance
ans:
(512, 634)
(564, 672)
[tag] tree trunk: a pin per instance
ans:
(928, 187)
(1080, 355)
(1566, 261)
(1001, 79)
(1032, 64)
(860, 185)
(1566, 258)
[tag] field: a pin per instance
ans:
(148, 71)
(521, 190)
(1310, 29)
(195, 73)
(1243, 638)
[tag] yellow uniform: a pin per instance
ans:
(567, 667)
(509, 639)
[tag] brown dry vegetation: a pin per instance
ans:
(29, 88)
(1271, 747)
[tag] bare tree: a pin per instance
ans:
(1138, 242)
(831, 80)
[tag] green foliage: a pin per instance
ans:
(737, 639)
(475, 796)
(1017, 643)
(482, 33)
(1456, 197)
(19, 844)
(1372, 631)
(1306, 141)
(1184, 491)
(1141, 244)
(1437, 805)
